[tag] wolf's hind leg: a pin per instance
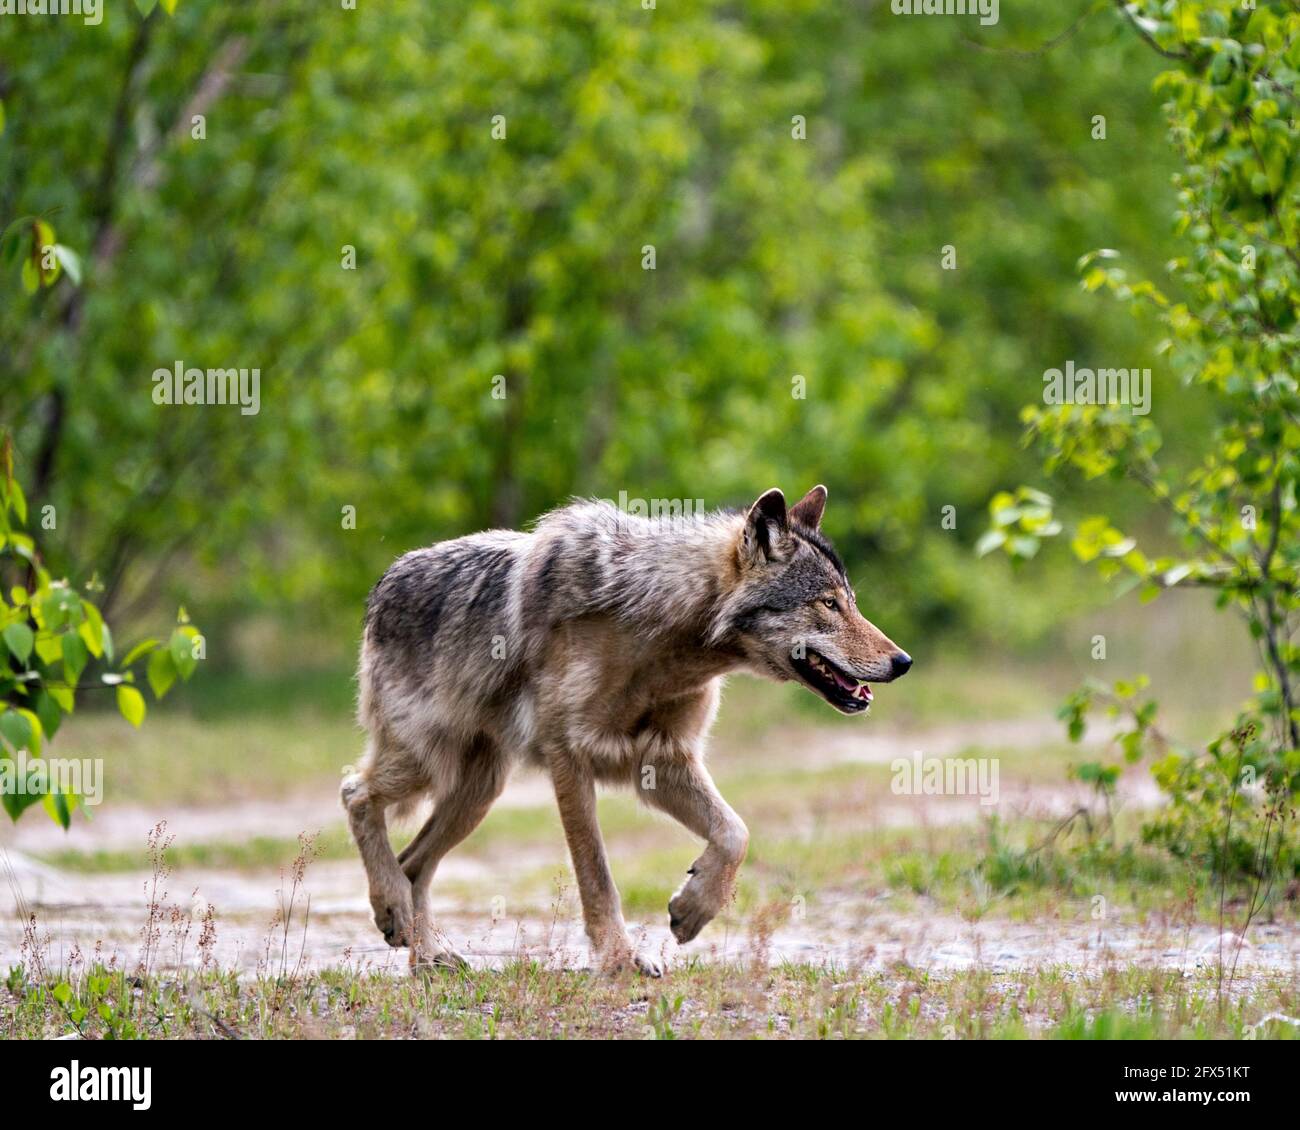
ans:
(458, 813)
(390, 890)
(683, 789)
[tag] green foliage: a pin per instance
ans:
(1232, 333)
(522, 256)
(1230, 809)
(49, 635)
(1020, 521)
(1124, 704)
(28, 244)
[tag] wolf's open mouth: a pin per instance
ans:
(840, 689)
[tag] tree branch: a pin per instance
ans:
(1127, 13)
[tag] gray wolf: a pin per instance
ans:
(594, 647)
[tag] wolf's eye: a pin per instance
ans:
(830, 603)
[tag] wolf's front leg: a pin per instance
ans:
(683, 789)
(575, 793)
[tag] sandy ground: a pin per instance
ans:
(78, 913)
(337, 930)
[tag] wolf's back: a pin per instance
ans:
(441, 597)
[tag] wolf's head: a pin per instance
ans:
(794, 614)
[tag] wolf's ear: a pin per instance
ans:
(808, 510)
(766, 525)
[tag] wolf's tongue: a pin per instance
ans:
(847, 684)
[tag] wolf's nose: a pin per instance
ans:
(900, 665)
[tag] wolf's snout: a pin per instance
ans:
(899, 665)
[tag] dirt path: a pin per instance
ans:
(338, 930)
(79, 912)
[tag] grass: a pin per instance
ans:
(255, 854)
(525, 1000)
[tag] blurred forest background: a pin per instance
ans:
(523, 256)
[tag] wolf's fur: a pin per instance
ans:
(593, 647)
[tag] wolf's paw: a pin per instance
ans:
(648, 966)
(642, 963)
(692, 908)
(395, 918)
(427, 960)
(618, 961)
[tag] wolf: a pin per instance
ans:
(594, 647)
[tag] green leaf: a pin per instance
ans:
(1131, 743)
(75, 657)
(181, 646)
(92, 630)
(146, 6)
(16, 803)
(16, 729)
(131, 703)
(49, 649)
(19, 639)
(56, 804)
(161, 672)
(59, 608)
(19, 500)
(47, 710)
(140, 649)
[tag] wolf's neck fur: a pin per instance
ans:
(666, 575)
